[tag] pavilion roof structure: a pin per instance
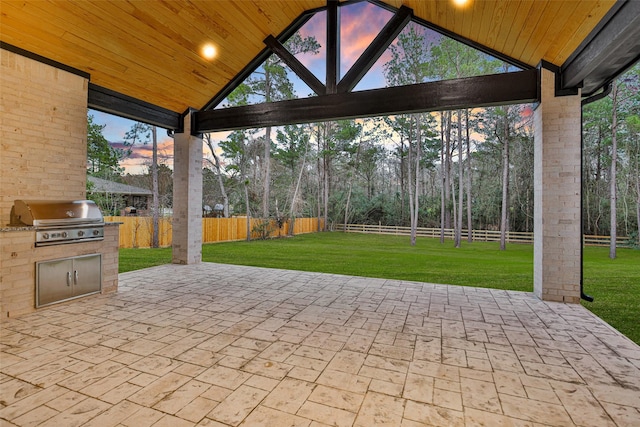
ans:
(147, 55)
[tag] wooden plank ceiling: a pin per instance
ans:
(150, 50)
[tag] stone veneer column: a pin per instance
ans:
(187, 196)
(557, 180)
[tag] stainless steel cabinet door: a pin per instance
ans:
(54, 281)
(63, 279)
(87, 274)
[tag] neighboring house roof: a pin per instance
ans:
(104, 186)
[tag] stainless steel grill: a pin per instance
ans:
(59, 221)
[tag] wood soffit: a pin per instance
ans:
(149, 50)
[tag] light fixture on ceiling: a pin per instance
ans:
(208, 51)
(461, 3)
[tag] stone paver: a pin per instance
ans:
(220, 345)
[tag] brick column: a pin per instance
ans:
(187, 196)
(557, 181)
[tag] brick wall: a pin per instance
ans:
(43, 155)
(43, 131)
(18, 258)
(557, 180)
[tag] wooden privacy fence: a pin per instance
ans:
(479, 235)
(136, 231)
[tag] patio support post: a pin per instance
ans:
(187, 196)
(557, 203)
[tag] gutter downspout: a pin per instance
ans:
(605, 92)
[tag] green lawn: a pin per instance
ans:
(615, 284)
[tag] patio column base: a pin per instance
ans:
(557, 186)
(187, 196)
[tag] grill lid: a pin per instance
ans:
(42, 213)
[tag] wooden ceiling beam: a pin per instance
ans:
(471, 92)
(108, 101)
(296, 66)
(333, 46)
(611, 48)
(376, 49)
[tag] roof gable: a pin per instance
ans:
(105, 186)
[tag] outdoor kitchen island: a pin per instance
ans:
(19, 256)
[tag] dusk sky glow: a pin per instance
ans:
(140, 158)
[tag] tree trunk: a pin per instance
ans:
(443, 180)
(637, 205)
(403, 185)
(613, 177)
(447, 171)
(346, 208)
(267, 173)
(225, 197)
(469, 182)
(637, 179)
(267, 151)
(410, 188)
(455, 209)
(245, 182)
(216, 164)
(292, 214)
(460, 183)
(319, 166)
(325, 170)
(504, 217)
(325, 196)
(403, 188)
(246, 202)
(415, 209)
(156, 191)
(416, 203)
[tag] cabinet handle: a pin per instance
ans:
(68, 278)
(75, 277)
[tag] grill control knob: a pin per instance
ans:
(45, 236)
(80, 233)
(96, 232)
(65, 234)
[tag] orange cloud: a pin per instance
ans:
(360, 23)
(142, 154)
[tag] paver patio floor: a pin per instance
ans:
(221, 345)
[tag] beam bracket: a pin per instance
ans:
(296, 66)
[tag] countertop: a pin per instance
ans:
(11, 228)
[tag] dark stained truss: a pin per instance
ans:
(611, 48)
(483, 91)
(335, 100)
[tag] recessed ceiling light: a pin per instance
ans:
(209, 51)
(460, 3)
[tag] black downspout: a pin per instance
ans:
(605, 92)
